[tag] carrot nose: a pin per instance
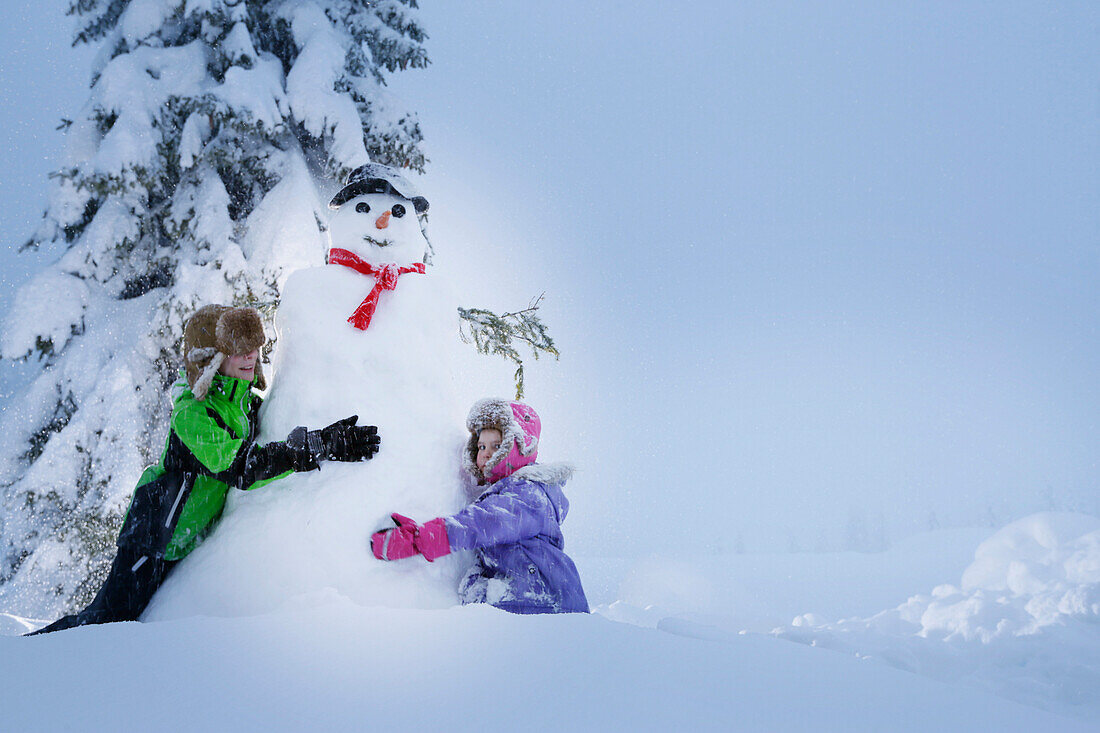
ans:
(383, 221)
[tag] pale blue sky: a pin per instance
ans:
(800, 257)
(805, 256)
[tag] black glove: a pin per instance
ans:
(278, 457)
(346, 441)
(302, 449)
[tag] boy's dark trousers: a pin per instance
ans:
(130, 585)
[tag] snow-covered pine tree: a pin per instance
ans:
(213, 133)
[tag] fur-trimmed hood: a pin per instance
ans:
(519, 427)
(552, 474)
(212, 335)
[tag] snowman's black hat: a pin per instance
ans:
(378, 178)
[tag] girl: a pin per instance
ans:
(514, 525)
(210, 447)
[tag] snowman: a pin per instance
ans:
(372, 334)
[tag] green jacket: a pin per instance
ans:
(209, 438)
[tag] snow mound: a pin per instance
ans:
(1037, 554)
(330, 664)
(1022, 623)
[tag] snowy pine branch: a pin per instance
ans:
(496, 335)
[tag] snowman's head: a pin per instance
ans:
(380, 228)
(376, 216)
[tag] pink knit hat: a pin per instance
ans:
(519, 426)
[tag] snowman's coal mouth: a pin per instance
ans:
(377, 242)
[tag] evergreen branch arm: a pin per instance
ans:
(495, 335)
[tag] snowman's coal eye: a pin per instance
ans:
(398, 210)
(362, 207)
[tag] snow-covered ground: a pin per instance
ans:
(687, 643)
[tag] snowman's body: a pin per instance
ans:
(311, 531)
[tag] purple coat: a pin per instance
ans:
(515, 530)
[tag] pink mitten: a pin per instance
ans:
(431, 539)
(397, 543)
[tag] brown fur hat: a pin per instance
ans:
(215, 333)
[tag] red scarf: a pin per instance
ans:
(385, 278)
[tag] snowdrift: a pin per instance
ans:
(1024, 622)
(335, 665)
